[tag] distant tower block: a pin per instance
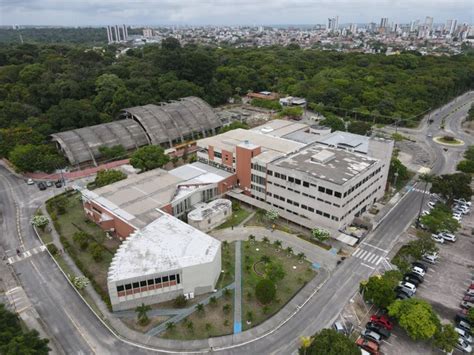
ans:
(125, 34)
(109, 34)
(117, 31)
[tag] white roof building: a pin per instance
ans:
(162, 260)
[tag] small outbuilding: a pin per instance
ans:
(207, 216)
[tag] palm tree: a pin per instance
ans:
(226, 308)
(170, 326)
(225, 244)
(305, 342)
(213, 301)
(190, 326)
(249, 316)
(265, 240)
(265, 259)
(142, 315)
(277, 243)
(289, 250)
(251, 237)
(301, 256)
(426, 178)
(200, 308)
(226, 293)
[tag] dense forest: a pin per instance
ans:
(51, 87)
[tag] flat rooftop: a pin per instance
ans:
(347, 140)
(335, 165)
(280, 128)
(204, 210)
(166, 244)
(136, 198)
(229, 140)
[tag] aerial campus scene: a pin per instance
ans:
(200, 177)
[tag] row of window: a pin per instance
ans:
(363, 181)
(257, 188)
(308, 195)
(361, 202)
(306, 184)
(148, 285)
(216, 165)
(307, 208)
(258, 168)
(258, 179)
(362, 191)
(310, 209)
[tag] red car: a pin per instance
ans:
(468, 298)
(471, 287)
(382, 320)
(368, 345)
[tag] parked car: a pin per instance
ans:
(457, 217)
(58, 183)
(431, 204)
(41, 186)
(411, 280)
(462, 201)
(339, 327)
(418, 270)
(463, 346)
(448, 236)
(370, 346)
(416, 276)
(464, 209)
(464, 326)
(437, 238)
(408, 286)
(471, 287)
(30, 182)
(372, 336)
(382, 320)
(462, 317)
(468, 298)
(402, 295)
(469, 292)
(379, 329)
(425, 213)
(407, 291)
(467, 337)
(420, 264)
(467, 305)
(430, 258)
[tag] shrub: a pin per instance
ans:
(180, 301)
(81, 239)
(265, 291)
(107, 177)
(96, 251)
(52, 248)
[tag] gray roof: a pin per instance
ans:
(81, 145)
(347, 140)
(175, 120)
(149, 124)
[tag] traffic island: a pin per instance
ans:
(449, 141)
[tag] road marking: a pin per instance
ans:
(363, 254)
(26, 254)
(374, 256)
(369, 254)
(370, 267)
(373, 246)
(79, 330)
(358, 251)
(378, 261)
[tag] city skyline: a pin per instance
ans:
(213, 12)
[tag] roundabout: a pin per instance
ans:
(448, 141)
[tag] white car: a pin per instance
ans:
(437, 238)
(464, 334)
(431, 257)
(463, 209)
(457, 217)
(470, 292)
(407, 285)
(431, 204)
(418, 270)
(463, 346)
(30, 182)
(425, 213)
(463, 201)
(448, 236)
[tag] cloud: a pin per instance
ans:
(156, 12)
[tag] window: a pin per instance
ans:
(269, 172)
(165, 278)
(290, 179)
(136, 285)
(217, 155)
(298, 181)
(158, 280)
(178, 279)
(142, 283)
(151, 282)
(337, 194)
(120, 288)
(128, 286)
(305, 184)
(321, 189)
(172, 277)
(329, 191)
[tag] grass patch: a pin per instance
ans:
(68, 218)
(212, 322)
(238, 216)
(449, 140)
(228, 265)
(154, 321)
(292, 282)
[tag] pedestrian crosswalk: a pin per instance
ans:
(419, 190)
(368, 256)
(26, 254)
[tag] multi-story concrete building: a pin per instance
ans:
(314, 181)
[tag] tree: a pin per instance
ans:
(95, 250)
(379, 289)
(470, 315)
(80, 282)
(440, 219)
(170, 326)
(452, 186)
(274, 271)
(226, 308)
(11, 137)
(180, 301)
(277, 243)
(272, 215)
(301, 256)
(396, 167)
(416, 316)
(232, 126)
(359, 127)
(40, 221)
(200, 308)
(107, 177)
(466, 166)
(16, 340)
(265, 291)
(31, 158)
(291, 112)
(213, 301)
(336, 124)
(329, 342)
(289, 250)
(149, 157)
(320, 234)
(82, 239)
(446, 338)
(112, 153)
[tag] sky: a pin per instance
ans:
(227, 12)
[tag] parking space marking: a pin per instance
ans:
(386, 342)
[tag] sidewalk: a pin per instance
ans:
(238, 288)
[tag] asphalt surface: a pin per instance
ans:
(76, 330)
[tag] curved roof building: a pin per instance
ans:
(165, 125)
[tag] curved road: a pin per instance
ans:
(76, 330)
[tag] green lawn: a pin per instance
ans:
(212, 322)
(228, 265)
(74, 220)
(297, 273)
(237, 217)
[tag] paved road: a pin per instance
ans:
(77, 331)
